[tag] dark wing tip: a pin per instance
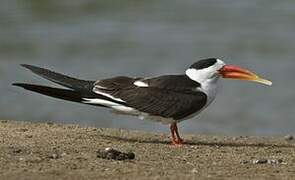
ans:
(35, 69)
(24, 65)
(15, 84)
(28, 66)
(18, 84)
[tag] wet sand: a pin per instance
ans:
(55, 151)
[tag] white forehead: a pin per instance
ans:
(219, 63)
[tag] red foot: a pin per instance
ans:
(177, 142)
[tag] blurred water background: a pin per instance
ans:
(93, 39)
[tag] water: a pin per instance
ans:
(100, 39)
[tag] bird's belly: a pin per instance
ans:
(142, 115)
(163, 120)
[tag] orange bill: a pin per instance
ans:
(235, 72)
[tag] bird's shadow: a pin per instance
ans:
(200, 143)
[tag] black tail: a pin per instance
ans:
(64, 94)
(66, 81)
(78, 91)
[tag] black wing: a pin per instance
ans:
(164, 103)
(173, 96)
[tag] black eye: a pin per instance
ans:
(204, 63)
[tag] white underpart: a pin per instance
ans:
(146, 116)
(96, 90)
(125, 109)
(210, 88)
(140, 84)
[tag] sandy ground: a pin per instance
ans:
(53, 151)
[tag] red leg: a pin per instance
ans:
(172, 130)
(179, 139)
(176, 139)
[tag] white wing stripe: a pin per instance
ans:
(100, 101)
(107, 95)
(140, 84)
(110, 104)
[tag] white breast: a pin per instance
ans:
(210, 88)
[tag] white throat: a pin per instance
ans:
(210, 88)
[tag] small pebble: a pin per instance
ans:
(23, 130)
(260, 161)
(194, 170)
(274, 161)
(263, 161)
(109, 153)
(244, 162)
(17, 150)
(54, 156)
(288, 137)
(235, 138)
(50, 123)
(29, 136)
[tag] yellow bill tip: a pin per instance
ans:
(263, 81)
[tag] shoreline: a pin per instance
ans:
(47, 151)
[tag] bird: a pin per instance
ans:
(168, 99)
